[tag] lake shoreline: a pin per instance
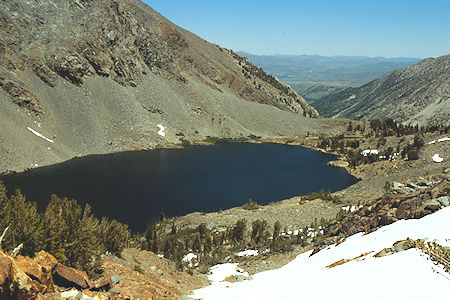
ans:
(208, 178)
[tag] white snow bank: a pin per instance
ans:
(248, 253)
(222, 271)
(369, 152)
(161, 130)
(404, 275)
(189, 257)
(351, 208)
(437, 158)
(40, 135)
(439, 140)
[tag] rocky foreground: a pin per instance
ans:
(137, 275)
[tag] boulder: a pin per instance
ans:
(408, 207)
(412, 185)
(20, 285)
(433, 205)
(5, 269)
(397, 185)
(46, 261)
(402, 245)
(30, 267)
(103, 284)
(387, 219)
(423, 183)
(70, 277)
(444, 200)
(115, 279)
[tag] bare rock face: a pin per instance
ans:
(100, 75)
(21, 95)
(418, 94)
(124, 40)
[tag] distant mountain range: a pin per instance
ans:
(418, 94)
(346, 70)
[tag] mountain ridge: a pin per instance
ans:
(418, 94)
(98, 76)
(348, 70)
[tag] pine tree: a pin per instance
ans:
(259, 231)
(238, 232)
(25, 222)
(57, 232)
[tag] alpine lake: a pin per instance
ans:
(135, 187)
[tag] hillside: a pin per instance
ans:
(381, 264)
(418, 94)
(83, 77)
(346, 70)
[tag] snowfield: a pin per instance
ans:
(404, 275)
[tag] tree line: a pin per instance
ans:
(65, 229)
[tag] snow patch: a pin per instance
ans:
(403, 275)
(248, 253)
(40, 135)
(189, 257)
(439, 140)
(369, 152)
(351, 208)
(437, 158)
(161, 130)
(222, 271)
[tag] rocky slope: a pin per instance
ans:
(418, 94)
(98, 76)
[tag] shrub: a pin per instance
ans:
(65, 229)
(413, 155)
(250, 205)
(326, 196)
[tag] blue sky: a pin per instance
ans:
(390, 28)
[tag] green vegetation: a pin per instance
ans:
(213, 246)
(251, 205)
(314, 91)
(376, 129)
(326, 196)
(65, 229)
(77, 238)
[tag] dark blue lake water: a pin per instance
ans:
(134, 187)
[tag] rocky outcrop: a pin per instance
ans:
(418, 94)
(338, 163)
(124, 40)
(43, 277)
(412, 200)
